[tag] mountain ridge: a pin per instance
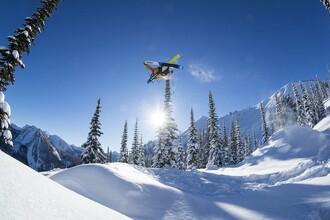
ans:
(40, 150)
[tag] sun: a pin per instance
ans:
(158, 118)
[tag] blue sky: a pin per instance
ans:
(242, 51)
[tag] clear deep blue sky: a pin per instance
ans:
(94, 49)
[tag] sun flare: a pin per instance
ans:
(158, 118)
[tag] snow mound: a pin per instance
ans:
(290, 172)
(123, 188)
(323, 125)
(289, 152)
(26, 194)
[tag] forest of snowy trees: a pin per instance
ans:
(218, 145)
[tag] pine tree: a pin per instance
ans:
(272, 122)
(181, 155)
(206, 146)
(214, 139)
(110, 156)
(123, 157)
(326, 4)
(160, 153)
(166, 150)
(247, 145)
(313, 100)
(308, 107)
(289, 112)
(239, 144)
(321, 88)
(200, 151)
(301, 116)
(227, 154)
(11, 57)
(233, 144)
(141, 154)
(170, 130)
(20, 43)
(135, 145)
(264, 128)
(192, 147)
(328, 86)
(255, 142)
(318, 104)
(5, 112)
(279, 112)
(93, 152)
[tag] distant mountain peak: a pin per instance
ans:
(42, 151)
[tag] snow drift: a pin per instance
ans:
(26, 194)
(287, 178)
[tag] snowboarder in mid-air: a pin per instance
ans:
(161, 69)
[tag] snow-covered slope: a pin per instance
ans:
(121, 187)
(26, 194)
(287, 178)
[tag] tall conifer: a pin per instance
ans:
(93, 152)
(123, 157)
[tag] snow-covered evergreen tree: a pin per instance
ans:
(328, 86)
(264, 128)
(321, 111)
(239, 143)
(289, 112)
(205, 146)
(141, 157)
(11, 57)
(193, 144)
(20, 43)
(170, 130)
(5, 112)
(181, 155)
(200, 151)
(214, 139)
(308, 107)
(109, 155)
(321, 89)
(233, 144)
(166, 150)
(280, 120)
(255, 142)
(272, 122)
(123, 157)
(326, 4)
(247, 145)
(93, 152)
(160, 153)
(301, 116)
(317, 98)
(227, 154)
(135, 146)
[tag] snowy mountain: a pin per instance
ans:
(26, 194)
(42, 151)
(286, 178)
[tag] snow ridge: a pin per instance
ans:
(291, 170)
